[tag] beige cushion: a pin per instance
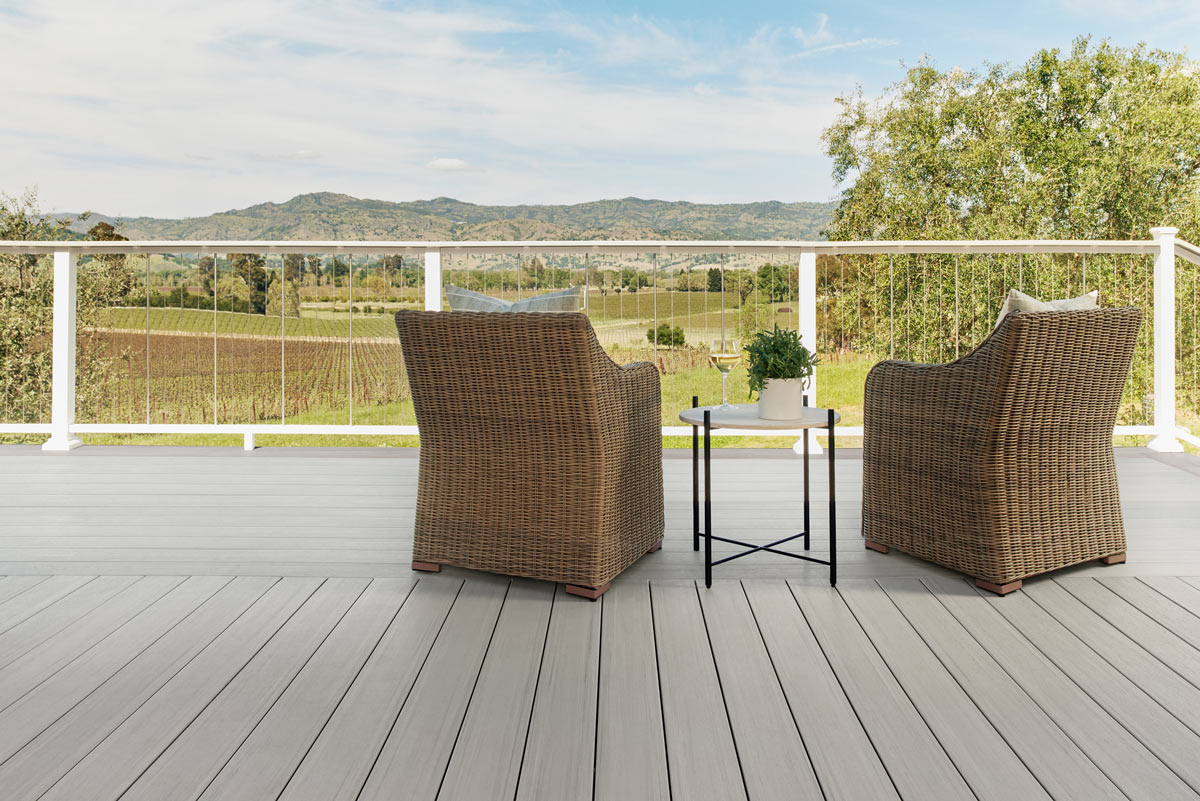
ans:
(1019, 301)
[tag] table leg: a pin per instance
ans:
(807, 527)
(695, 482)
(707, 499)
(832, 510)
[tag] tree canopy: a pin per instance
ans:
(1101, 142)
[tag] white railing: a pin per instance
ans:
(63, 429)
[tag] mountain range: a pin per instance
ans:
(332, 216)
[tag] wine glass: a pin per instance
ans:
(724, 354)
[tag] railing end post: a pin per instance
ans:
(62, 355)
(1164, 440)
(247, 442)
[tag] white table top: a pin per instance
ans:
(745, 415)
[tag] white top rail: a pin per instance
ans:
(948, 247)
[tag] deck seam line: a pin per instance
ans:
(662, 712)
(49, 605)
(1122, 600)
(850, 701)
(407, 695)
(1142, 580)
(721, 687)
(43, 580)
(971, 697)
(111, 676)
(904, 689)
(533, 700)
(1034, 646)
(184, 730)
(782, 690)
(290, 682)
(383, 633)
(599, 682)
(80, 655)
(474, 686)
(1106, 661)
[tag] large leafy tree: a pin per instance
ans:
(1100, 142)
(26, 312)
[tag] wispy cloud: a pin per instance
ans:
(814, 36)
(452, 165)
(856, 44)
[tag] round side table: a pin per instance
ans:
(745, 416)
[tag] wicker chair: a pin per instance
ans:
(1000, 465)
(540, 457)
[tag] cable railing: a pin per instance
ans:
(296, 338)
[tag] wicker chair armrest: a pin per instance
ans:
(919, 400)
(631, 414)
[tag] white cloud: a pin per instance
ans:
(173, 107)
(452, 165)
(814, 37)
(295, 155)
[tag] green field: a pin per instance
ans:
(618, 319)
(840, 385)
(169, 379)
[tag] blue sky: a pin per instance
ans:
(172, 108)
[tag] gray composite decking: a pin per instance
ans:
(184, 623)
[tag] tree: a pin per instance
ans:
(233, 287)
(250, 267)
(287, 300)
(668, 336)
(714, 279)
(1103, 142)
(107, 279)
(26, 319)
(204, 273)
(777, 282)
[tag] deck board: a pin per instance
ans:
(942, 695)
(486, 763)
(211, 624)
(1091, 725)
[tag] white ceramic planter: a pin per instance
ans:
(781, 399)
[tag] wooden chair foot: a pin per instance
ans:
(877, 546)
(427, 567)
(591, 593)
(999, 589)
(657, 547)
(1113, 559)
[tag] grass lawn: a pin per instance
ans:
(840, 384)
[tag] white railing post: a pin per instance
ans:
(1164, 439)
(62, 392)
(433, 280)
(807, 325)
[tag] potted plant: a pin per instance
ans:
(779, 371)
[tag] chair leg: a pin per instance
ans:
(877, 546)
(591, 593)
(999, 589)
(427, 567)
(1113, 559)
(656, 547)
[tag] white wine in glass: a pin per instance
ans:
(724, 354)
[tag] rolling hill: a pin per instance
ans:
(331, 216)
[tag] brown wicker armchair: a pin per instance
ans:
(1000, 465)
(540, 457)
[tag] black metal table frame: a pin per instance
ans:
(751, 548)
